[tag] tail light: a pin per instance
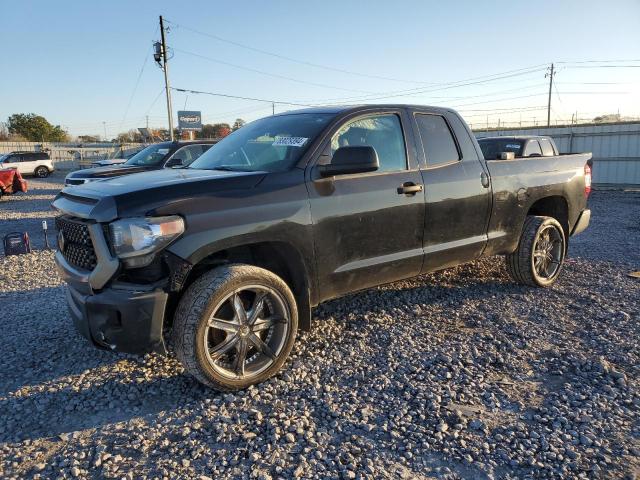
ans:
(587, 180)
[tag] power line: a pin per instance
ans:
(269, 74)
(409, 93)
(600, 61)
(294, 60)
(155, 100)
(215, 94)
(442, 86)
(135, 88)
(502, 110)
(483, 115)
(603, 66)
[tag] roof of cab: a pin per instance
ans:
(514, 137)
(335, 109)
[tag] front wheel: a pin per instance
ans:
(540, 254)
(235, 326)
(41, 172)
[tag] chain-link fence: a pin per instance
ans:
(72, 156)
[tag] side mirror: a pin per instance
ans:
(359, 159)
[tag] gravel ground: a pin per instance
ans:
(24, 212)
(461, 374)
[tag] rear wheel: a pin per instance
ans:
(41, 172)
(540, 254)
(235, 326)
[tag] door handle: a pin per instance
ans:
(409, 188)
(484, 178)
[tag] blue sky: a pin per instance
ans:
(77, 62)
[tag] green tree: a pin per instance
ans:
(4, 132)
(239, 123)
(35, 128)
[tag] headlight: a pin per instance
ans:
(136, 240)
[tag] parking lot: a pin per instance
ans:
(461, 373)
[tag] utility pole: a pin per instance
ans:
(147, 121)
(273, 108)
(550, 74)
(165, 68)
(104, 125)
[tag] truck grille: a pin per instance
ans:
(75, 243)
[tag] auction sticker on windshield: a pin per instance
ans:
(163, 151)
(290, 141)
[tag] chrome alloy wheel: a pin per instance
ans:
(246, 332)
(548, 252)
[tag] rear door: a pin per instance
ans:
(366, 230)
(457, 190)
(28, 163)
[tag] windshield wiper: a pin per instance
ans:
(230, 168)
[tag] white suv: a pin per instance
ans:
(28, 163)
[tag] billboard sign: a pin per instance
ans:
(190, 120)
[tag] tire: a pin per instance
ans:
(542, 244)
(204, 344)
(41, 172)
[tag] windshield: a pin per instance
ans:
(272, 144)
(2, 157)
(151, 156)
(492, 147)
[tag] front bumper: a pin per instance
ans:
(582, 223)
(121, 320)
(126, 318)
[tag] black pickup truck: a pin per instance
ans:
(228, 256)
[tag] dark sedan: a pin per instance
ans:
(154, 157)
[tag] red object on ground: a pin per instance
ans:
(11, 181)
(587, 180)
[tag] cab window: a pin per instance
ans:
(187, 155)
(437, 141)
(532, 149)
(547, 148)
(382, 132)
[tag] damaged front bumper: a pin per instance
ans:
(125, 318)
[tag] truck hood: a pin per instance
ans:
(139, 193)
(108, 171)
(113, 161)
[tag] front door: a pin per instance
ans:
(367, 230)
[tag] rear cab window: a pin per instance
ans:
(547, 148)
(464, 138)
(437, 140)
(532, 149)
(493, 147)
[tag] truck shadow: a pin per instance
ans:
(63, 385)
(79, 387)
